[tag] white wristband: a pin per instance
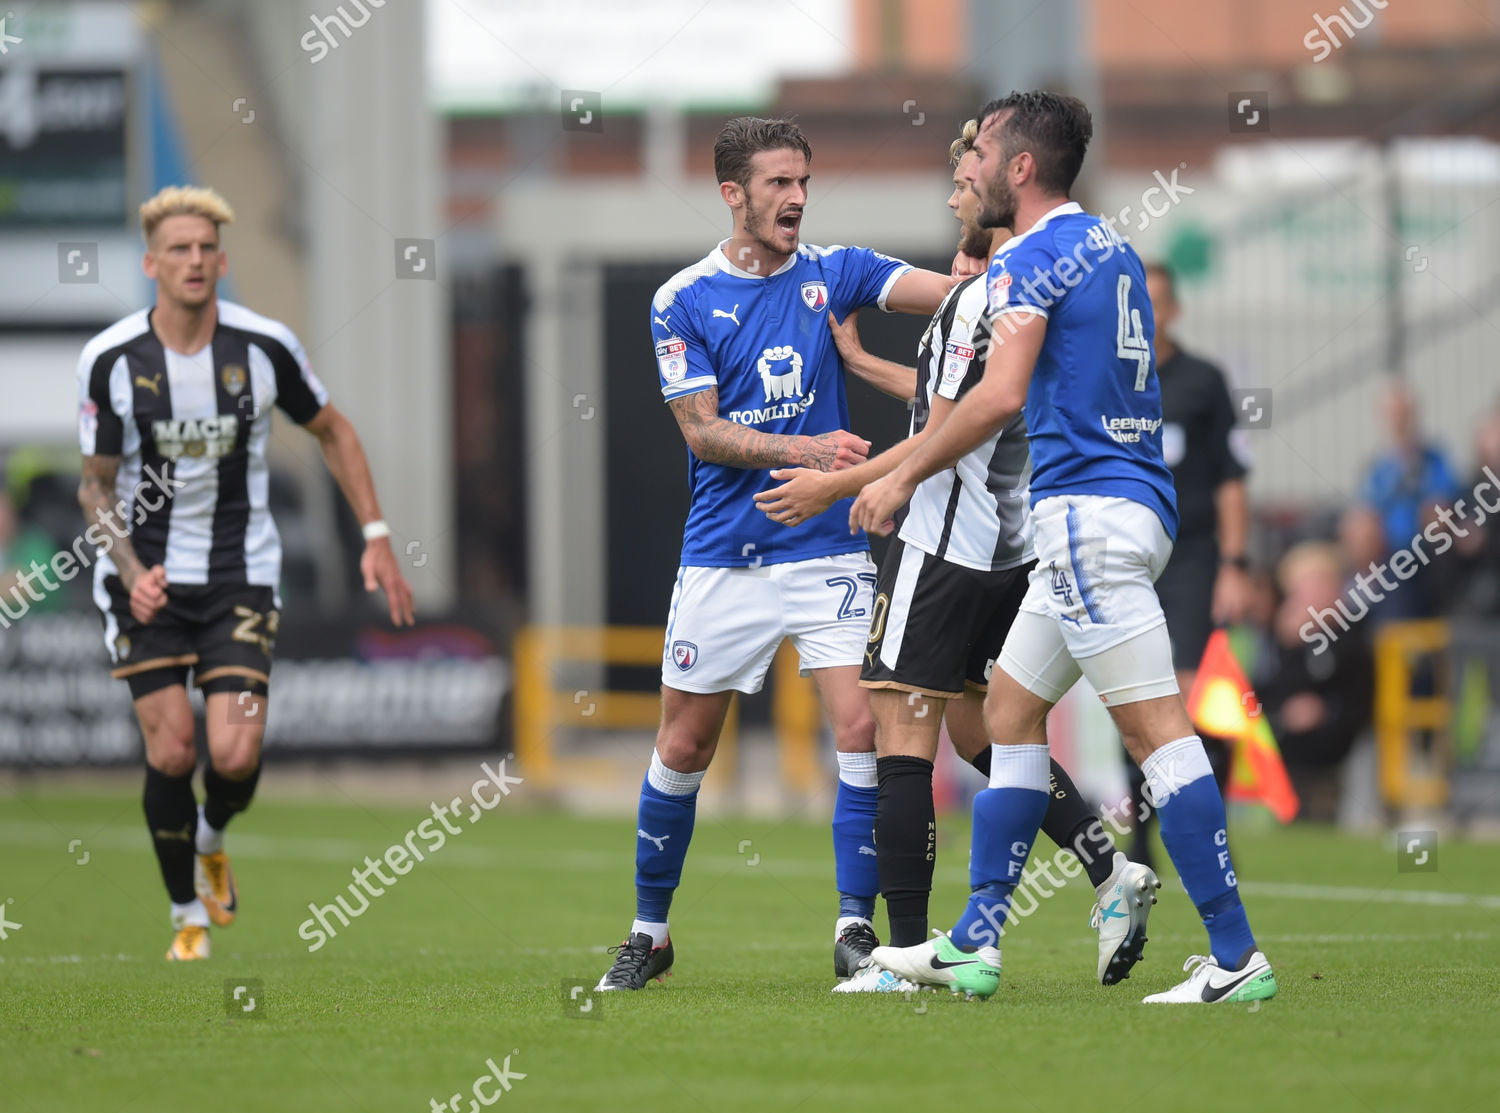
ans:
(375, 529)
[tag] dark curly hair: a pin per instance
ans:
(1055, 128)
(744, 137)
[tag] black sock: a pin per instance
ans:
(224, 799)
(172, 819)
(1072, 824)
(1142, 815)
(981, 761)
(905, 844)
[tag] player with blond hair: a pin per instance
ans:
(175, 408)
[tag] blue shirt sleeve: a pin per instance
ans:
(865, 277)
(682, 363)
(1021, 280)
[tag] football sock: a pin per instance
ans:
(192, 912)
(172, 819)
(664, 827)
(854, 860)
(1193, 829)
(1072, 825)
(658, 932)
(981, 761)
(210, 839)
(905, 844)
(1142, 816)
(223, 799)
(1007, 816)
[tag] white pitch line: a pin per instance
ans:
(352, 852)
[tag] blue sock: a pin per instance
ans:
(1193, 829)
(664, 827)
(1007, 816)
(854, 863)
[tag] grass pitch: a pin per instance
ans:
(1389, 991)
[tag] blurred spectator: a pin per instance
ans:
(1477, 585)
(1317, 703)
(22, 542)
(1362, 537)
(1410, 476)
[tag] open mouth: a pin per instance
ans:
(788, 223)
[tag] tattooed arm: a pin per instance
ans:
(715, 440)
(109, 529)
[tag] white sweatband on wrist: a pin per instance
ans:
(375, 529)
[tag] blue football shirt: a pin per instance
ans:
(763, 342)
(1093, 413)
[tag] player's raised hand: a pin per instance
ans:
(874, 509)
(966, 266)
(804, 495)
(846, 335)
(834, 451)
(379, 568)
(148, 594)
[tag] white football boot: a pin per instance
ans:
(1208, 983)
(1119, 916)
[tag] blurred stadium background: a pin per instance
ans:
(463, 210)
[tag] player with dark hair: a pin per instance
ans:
(748, 366)
(186, 578)
(952, 581)
(1071, 346)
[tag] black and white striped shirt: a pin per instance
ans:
(200, 424)
(975, 514)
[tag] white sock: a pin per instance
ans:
(210, 839)
(191, 913)
(658, 932)
(857, 770)
(1174, 766)
(669, 782)
(845, 921)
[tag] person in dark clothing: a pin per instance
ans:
(1206, 583)
(1317, 699)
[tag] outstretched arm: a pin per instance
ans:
(806, 494)
(346, 460)
(716, 440)
(986, 409)
(884, 375)
(918, 291)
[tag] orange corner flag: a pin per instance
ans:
(1223, 704)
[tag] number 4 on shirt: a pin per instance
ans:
(1130, 337)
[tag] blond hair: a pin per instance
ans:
(1316, 557)
(184, 201)
(964, 143)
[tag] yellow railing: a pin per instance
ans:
(1399, 713)
(542, 709)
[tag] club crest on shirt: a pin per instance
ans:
(671, 359)
(815, 295)
(232, 375)
(684, 655)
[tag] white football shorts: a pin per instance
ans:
(725, 624)
(1090, 608)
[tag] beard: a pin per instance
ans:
(760, 226)
(974, 240)
(997, 208)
